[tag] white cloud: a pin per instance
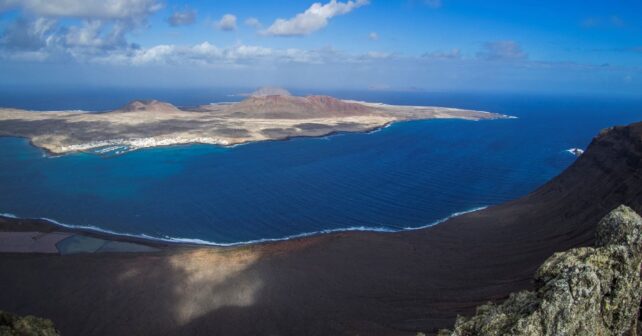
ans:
(239, 55)
(227, 22)
(28, 35)
(373, 36)
(96, 34)
(314, 18)
(254, 23)
(42, 29)
(182, 18)
(208, 54)
(200, 54)
(104, 42)
(99, 9)
(152, 55)
(47, 38)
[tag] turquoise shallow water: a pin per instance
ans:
(407, 175)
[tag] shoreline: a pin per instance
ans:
(50, 154)
(109, 234)
(196, 242)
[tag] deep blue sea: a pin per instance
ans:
(408, 175)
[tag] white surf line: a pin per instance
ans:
(197, 241)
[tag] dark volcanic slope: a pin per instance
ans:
(350, 283)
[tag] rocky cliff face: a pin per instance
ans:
(583, 291)
(14, 325)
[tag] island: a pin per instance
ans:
(267, 114)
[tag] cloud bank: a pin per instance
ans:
(97, 9)
(89, 34)
(43, 31)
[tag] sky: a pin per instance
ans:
(566, 46)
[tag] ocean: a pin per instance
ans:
(408, 175)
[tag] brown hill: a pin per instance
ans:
(148, 105)
(280, 106)
(270, 91)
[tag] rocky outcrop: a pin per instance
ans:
(148, 105)
(14, 325)
(270, 91)
(583, 291)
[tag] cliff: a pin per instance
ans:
(583, 291)
(14, 325)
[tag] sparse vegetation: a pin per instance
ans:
(14, 325)
(583, 291)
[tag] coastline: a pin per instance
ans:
(48, 224)
(51, 154)
(228, 145)
(194, 241)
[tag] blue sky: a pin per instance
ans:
(433, 45)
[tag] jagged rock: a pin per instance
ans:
(14, 325)
(583, 291)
